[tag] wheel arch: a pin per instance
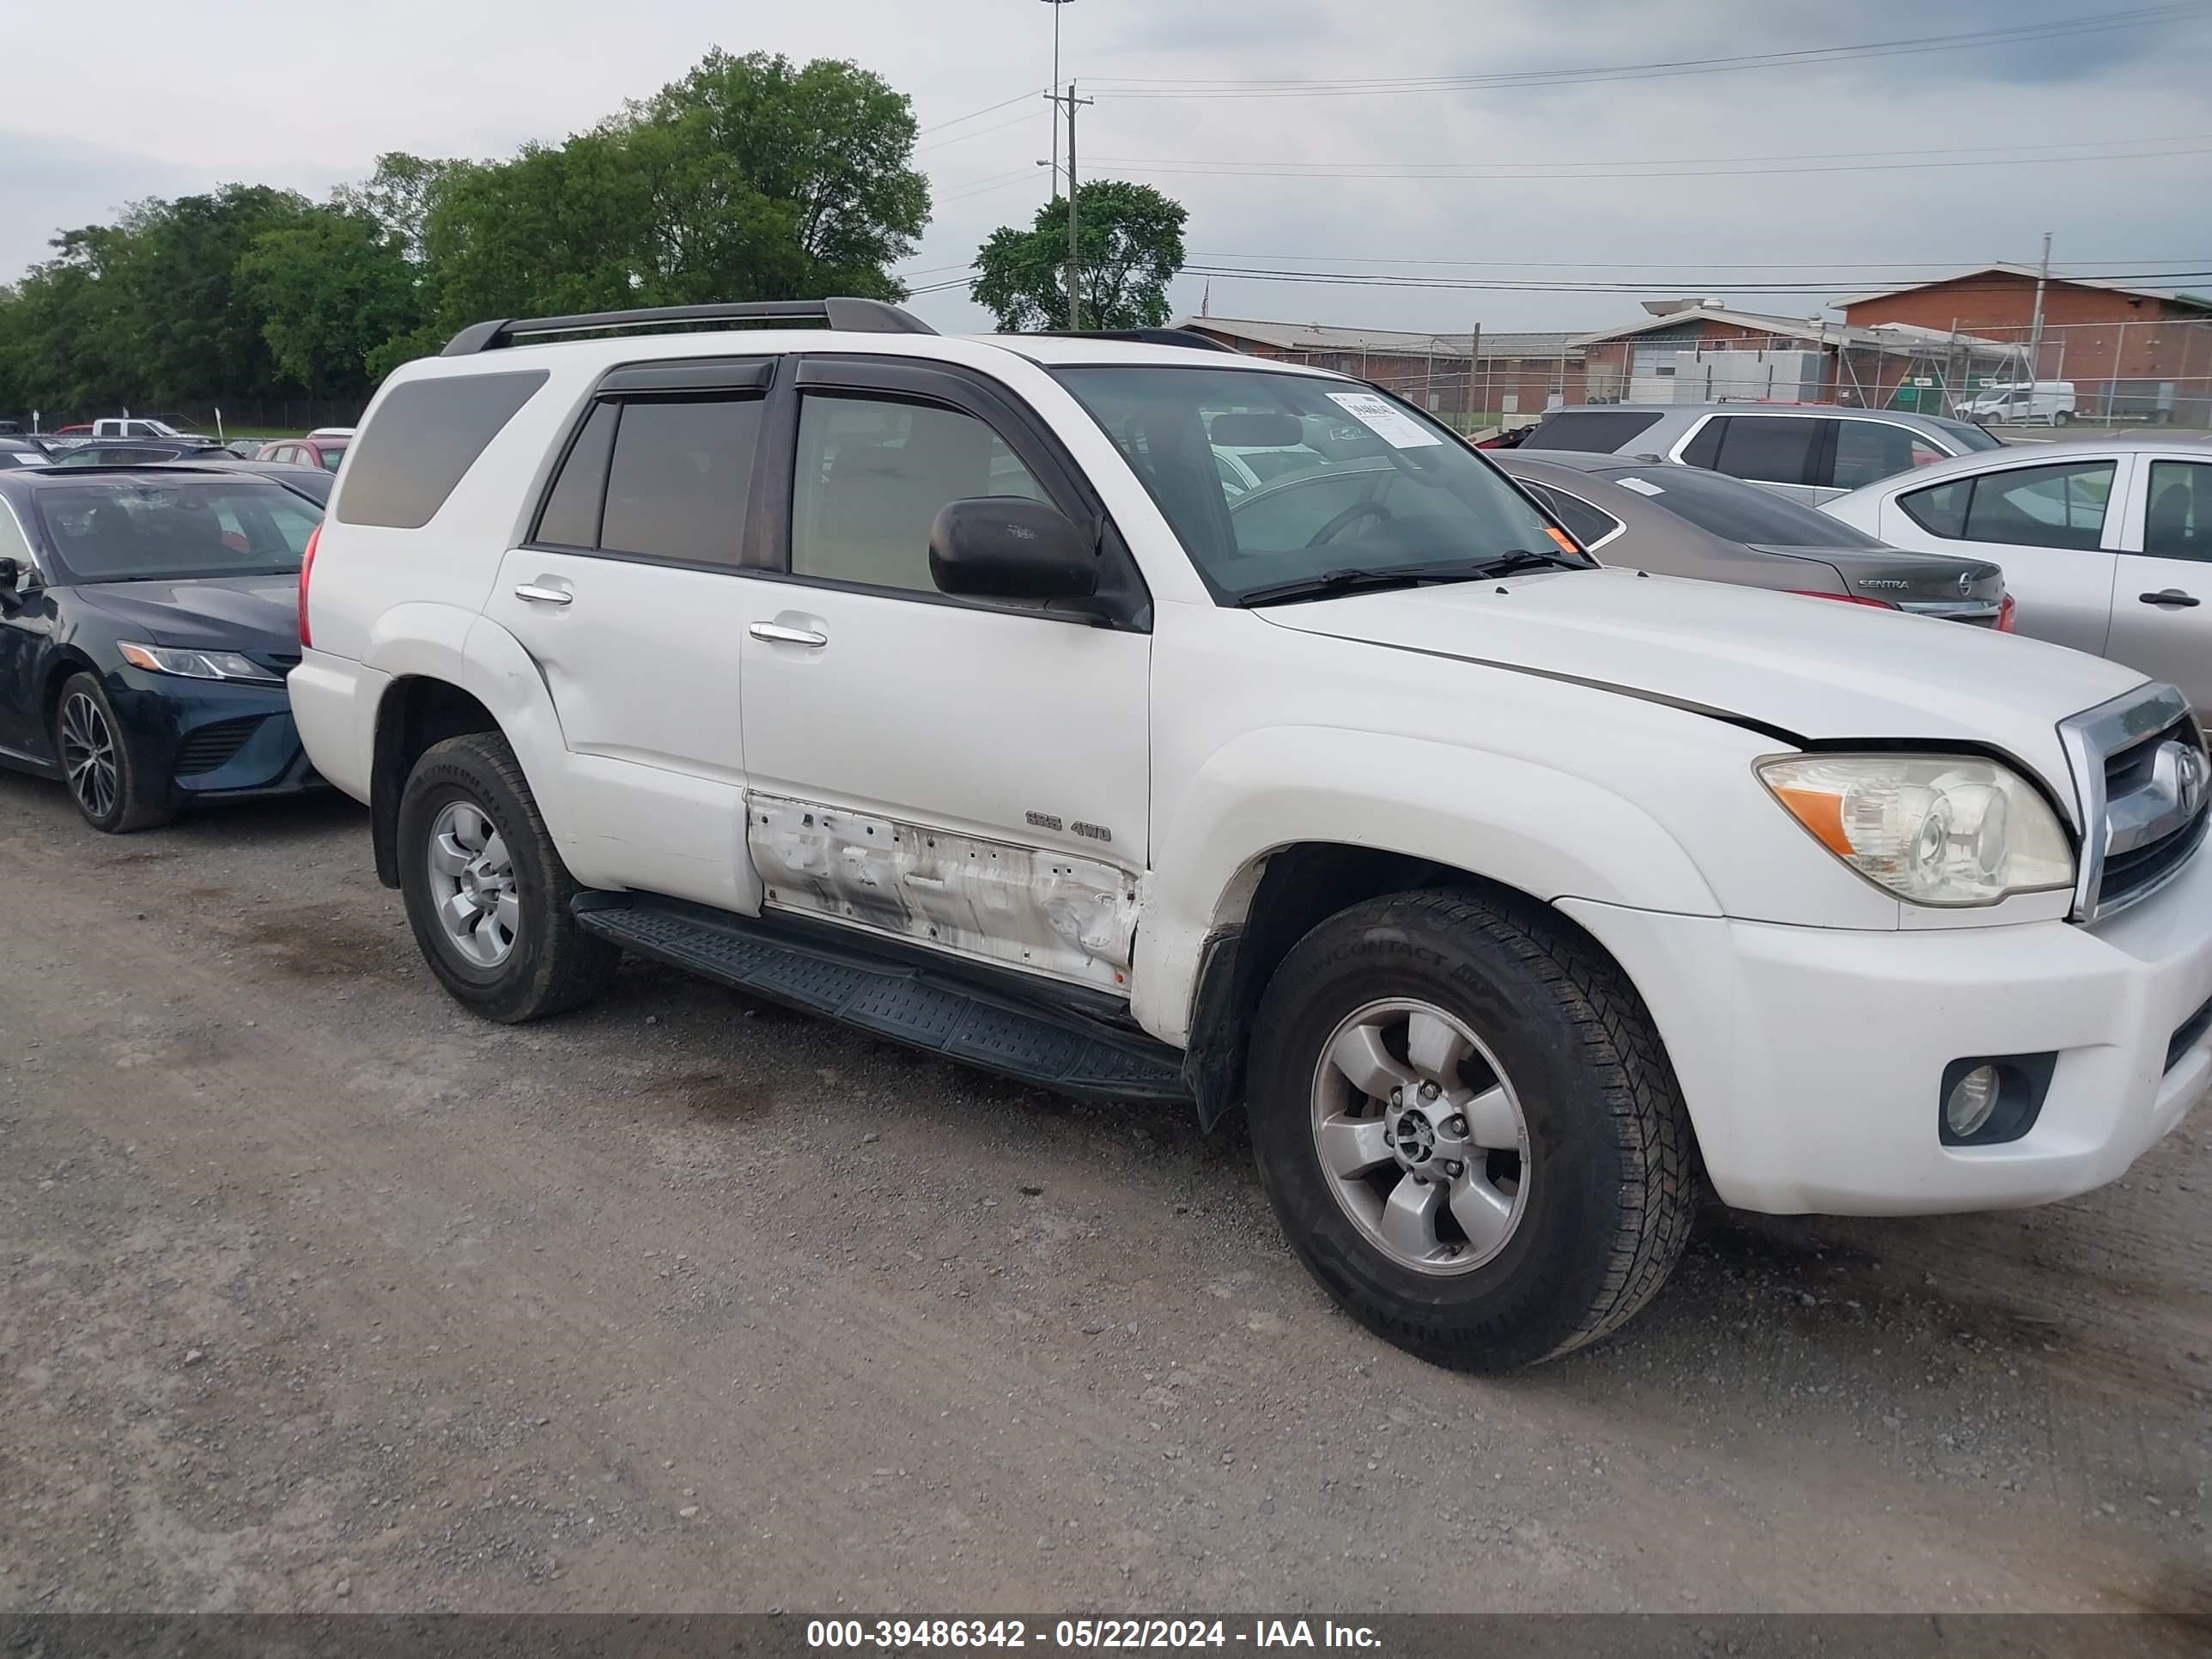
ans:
(1274, 900)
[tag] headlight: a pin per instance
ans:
(1933, 829)
(197, 664)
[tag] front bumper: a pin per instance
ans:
(209, 739)
(1811, 1059)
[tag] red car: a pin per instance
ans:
(310, 451)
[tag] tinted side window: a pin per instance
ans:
(2061, 506)
(1705, 449)
(1771, 448)
(1939, 509)
(571, 515)
(1599, 431)
(2179, 523)
(425, 438)
(1587, 524)
(677, 482)
(1868, 451)
(871, 475)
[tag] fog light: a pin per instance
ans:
(1970, 1103)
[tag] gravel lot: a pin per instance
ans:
(316, 1293)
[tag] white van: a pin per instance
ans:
(2018, 403)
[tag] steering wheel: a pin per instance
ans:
(1344, 520)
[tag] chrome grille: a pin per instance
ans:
(2145, 785)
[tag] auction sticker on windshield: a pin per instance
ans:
(1387, 423)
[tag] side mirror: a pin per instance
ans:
(1008, 547)
(11, 573)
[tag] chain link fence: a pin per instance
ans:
(2119, 375)
(257, 417)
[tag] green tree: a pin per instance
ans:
(830, 141)
(331, 291)
(195, 328)
(1130, 240)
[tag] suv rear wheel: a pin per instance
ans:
(487, 893)
(1468, 1130)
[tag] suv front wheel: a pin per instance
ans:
(486, 891)
(1468, 1130)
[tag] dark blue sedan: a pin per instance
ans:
(149, 616)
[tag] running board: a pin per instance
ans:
(929, 1008)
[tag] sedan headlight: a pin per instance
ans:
(1933, 829)
(198, 665)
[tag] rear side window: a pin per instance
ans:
(1940, 509)
(1587, 524)
(2059, 505)
(1597, 431)
(1870, 451)
(425, 437)
(2179, 523)
(658, 478)
(1771, 448)
(678, 484)
(2042, 506)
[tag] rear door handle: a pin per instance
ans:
(2173, 597)
(777, 634)
(537, 595)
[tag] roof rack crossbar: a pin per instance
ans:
(1168, 336)
(855, 316)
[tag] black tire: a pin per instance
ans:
(553, 965)
(111, 791)
(1612, 1168)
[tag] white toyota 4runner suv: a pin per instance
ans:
(955, 689)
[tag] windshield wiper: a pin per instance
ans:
(1517, 559)
(1331, 583)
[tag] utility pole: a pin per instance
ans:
(1055, 94)
(2035, 329)
(1074, 251)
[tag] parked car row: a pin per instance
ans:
(1158, 724)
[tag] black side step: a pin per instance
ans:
(930, 1008)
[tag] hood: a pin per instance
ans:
(1811, 668)
(1898, 577)
(258, 615)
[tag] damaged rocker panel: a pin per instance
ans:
(1026, 907)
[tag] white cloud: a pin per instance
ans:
(307, 96)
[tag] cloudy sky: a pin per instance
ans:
(1569, 160)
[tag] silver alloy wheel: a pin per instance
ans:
(88, 754)
(472, 884)
(1420, 1136)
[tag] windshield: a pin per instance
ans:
(1378, 486)
(1736, 511)
(115, 530)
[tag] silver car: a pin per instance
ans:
(2106, 544)
(1811, 451)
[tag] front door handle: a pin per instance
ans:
(537, 595)
(2173, 597)
(777, 634)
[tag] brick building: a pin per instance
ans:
(2131, 352)
(1455, 374)
(1692, 351)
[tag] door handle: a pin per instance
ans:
(777, 634)
(537, 595)
(2173, 597)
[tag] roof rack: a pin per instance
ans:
(1167, 337)
(856, 316)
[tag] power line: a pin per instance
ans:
(1501, 174)
(962, 137)
(987, 109)
(1972, 264)
(1671, 285)
(2013, 149)
(2061, 29)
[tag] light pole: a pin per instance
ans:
(1055, 94)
